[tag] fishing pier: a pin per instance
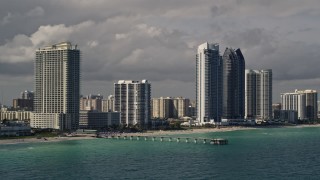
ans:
(217, 141)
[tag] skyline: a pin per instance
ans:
(158, 41)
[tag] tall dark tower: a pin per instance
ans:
(233, 84)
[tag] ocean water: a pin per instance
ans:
(272, 153)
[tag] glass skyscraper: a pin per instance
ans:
(233, 84)
(208, 83)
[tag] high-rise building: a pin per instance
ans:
(108, 104)
(258, 94)
(132, 99)
(233, 84)
(161, 107)
(57, 87)
(180, 107)
(25, 102)
(91, 102)
(169, 107)
(304, 102)
(208, 83)
(27, 94)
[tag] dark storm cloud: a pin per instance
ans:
(16, 69)
(157, 40)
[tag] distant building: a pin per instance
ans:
(276, 110)
(192, 109)
(15, 115)
(27, 94)
(98, 120)
(180, 107)
(132, 99)
(162, 107)
(290, 116)
(91, 102)
(108, 104)
(24, 102)
(258, 94)
(169, 107)
(318, 109)
(304, 102)
(15, 128)
(57, 87)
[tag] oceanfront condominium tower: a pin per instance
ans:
(304, 102)
(132, 99)
(57, 87)
(258, 94)
(208, 83)
(233, 84)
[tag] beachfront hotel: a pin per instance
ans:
(57, 87)
(258, 94)
(132, 100)
(208, 83)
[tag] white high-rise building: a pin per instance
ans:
(258, 94)
(108, 104)
(132, 99)
(209, 83)
(180, 107)
(57, 87)
(161, 107)
(304, 102)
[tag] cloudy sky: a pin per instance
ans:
(157, 40)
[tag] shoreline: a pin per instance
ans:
(42, 140)
(147, 133)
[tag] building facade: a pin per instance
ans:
(180, 107)
(15, 115)
(24, 102)
(258, 94)
(91, 102)
(161, 107)
(108, 104)
(168, 107)
(132, 99)
(57, 87)
(233, 84)
(208, 83)
(98, 120)
(303, 101)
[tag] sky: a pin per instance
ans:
(157, 40)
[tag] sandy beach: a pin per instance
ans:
(148, 133)
(43, 140)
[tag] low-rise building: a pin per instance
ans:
(98, 120)
(290, 116)
(15, 115)
(15, 128)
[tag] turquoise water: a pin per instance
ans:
(274, 153)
